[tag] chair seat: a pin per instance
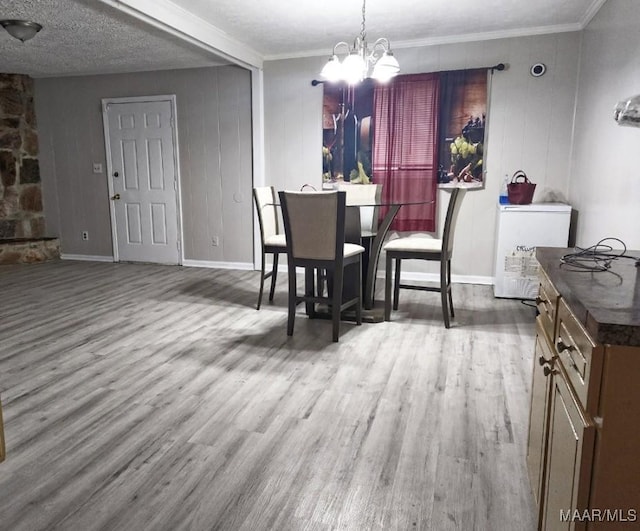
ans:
(414, 244)
(351, 249)
(277, 240)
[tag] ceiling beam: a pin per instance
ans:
(165, 15)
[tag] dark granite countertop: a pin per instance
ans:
(607, 303)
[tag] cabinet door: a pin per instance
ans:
(569, 458)
(539, 412)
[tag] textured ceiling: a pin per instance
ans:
(289, 28)
(87, 37)
(97, 36)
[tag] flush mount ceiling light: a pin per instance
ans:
(360, 63)
(23, 30)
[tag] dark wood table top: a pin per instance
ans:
(606, 303)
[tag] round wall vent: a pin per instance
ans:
(538, 70)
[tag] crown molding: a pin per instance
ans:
(591, 12)
(449, 39)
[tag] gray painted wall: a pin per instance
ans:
(530, 127)
(605, 181)
(214, 136)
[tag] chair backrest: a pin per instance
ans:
(314, 224)
(265, 198)
(364, 194)
(452, 215)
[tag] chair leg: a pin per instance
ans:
(443, 292)
(320, 281)
(337, 301)
(449, 288)
(309, 291)
(387, 287)
(262, 273)
(359, 304)
(396, 285)
(274, 273)
(292, 300)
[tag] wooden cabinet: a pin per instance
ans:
(538, 416)
(569, 454)
(583, 452)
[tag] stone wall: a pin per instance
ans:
(21, 213)
(29, 251)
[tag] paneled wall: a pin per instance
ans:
(214, 137)
(605, 181)
(530, 127)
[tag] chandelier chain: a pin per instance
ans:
(363, 33)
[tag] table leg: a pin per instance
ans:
(376, 249)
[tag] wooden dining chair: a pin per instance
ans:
(423, 247)
(272, 240)
(366, 196)
(314, 224)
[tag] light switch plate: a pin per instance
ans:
(97, 167)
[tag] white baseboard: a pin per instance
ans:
(434, 277)
(86, 257)
(243, 266)
(248, 266)
(419, 277)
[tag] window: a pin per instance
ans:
(405, 147)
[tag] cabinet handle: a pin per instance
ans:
(561, 346)
(542, 360)
(548, 370)
(540, 300)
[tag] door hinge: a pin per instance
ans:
(179, 246)
(175, 185)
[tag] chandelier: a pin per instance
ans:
(360, 63)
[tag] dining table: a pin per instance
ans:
(373, 244)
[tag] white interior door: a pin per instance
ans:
(143, 184)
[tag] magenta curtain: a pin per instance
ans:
(405, 147)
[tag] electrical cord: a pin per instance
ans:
(596, 258)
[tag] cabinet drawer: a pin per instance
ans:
(575, 350)
(546, 302)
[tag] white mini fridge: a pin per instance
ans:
(519, 230)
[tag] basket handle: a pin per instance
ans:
(520, 174)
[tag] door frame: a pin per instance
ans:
(171, 98)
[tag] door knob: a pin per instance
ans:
(116, 197)
(116, 174)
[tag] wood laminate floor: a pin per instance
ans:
(143, 397)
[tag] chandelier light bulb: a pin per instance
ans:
(353, 68)
(332, 71)
(386, 67)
